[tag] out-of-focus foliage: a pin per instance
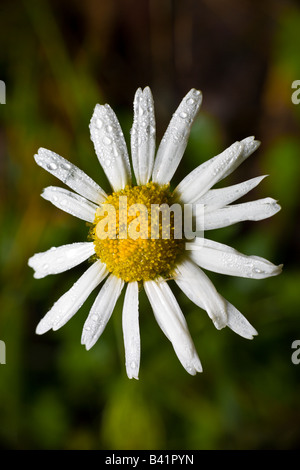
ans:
(58, 59)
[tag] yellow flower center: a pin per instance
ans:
(135, 233)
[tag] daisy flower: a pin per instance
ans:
(145, 260)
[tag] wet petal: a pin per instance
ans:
(200, 290)
(172, 322)
(69, 304)
(205, 176)
(175, 140)
(199, 182)
(143, 136)
(131, 330)
(101, 311)
(110, 146)
(216, 198)
(60, 259)
(235, 320)
(70, 202)
(223, 259)
(229, 215)
(238, 323)
(70, 175)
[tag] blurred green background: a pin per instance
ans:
(58, 59)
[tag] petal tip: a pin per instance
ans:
(43, 327)
(279, 269)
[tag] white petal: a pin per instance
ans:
(175, 140)
(223, 259)
(229, 215)
(199, 181)
(235, 320)
(250, 145)
(70, 175)
(67, 305)
(238, 323)
(206, 175)
(200, 290)
(101, 311)
(131, 330)
(110, 146)
(70, 202)
(216, 198)
(143, 135)
(60, 259)
(170, 318)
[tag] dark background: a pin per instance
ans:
(58, 59)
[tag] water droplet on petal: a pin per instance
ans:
(133, 365)
(257, 271)
(107, 140)
(99, 123)
(52, 166)
(66, 166)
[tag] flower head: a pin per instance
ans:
(137, 234)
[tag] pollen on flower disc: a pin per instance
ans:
(133, 237)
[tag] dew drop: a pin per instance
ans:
(109, 129)
(107, 162)
(183, 115)
(52, 166)
(95, 317)
(133, 365)
(66, 166)
(107, 140)
(257, 271)
(99, 123)
(190, 101)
